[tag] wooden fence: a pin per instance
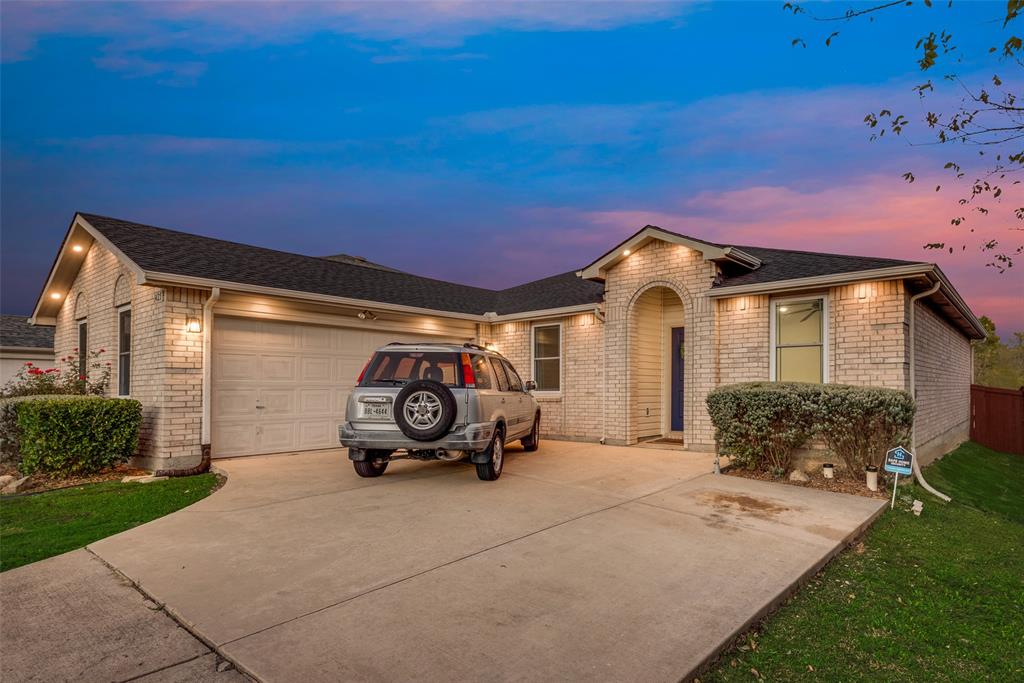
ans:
(997, 418)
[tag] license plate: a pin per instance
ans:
(377, 410)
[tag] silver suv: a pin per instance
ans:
(438, 402)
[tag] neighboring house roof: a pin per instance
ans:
(17, 333)
(787, 264)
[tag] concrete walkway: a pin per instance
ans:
(581, 562)
(72, 618)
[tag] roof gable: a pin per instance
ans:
(709, 250)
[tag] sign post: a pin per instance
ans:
(898, 461)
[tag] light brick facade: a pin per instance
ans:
(166, 360)
(612, 358)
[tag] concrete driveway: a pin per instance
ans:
(581, 562)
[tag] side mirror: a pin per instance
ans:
(530, 385)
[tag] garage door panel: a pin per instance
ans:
(278, 367)
(234, 403)
(235, 366)
(315, 368)
(315, 401)
(347, 368)
(232, 438)
(319, 434)
(277, 437)
(278, 401)
(279, 334)
(317, 338)
(235, 331)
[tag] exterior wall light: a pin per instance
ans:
(743, 303)
(193, 325)
(77, 248)
(55, 295)
(863, 292)
(625, 252)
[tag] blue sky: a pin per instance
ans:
(486, 143)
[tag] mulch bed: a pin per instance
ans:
(39, 482)
(840, 484)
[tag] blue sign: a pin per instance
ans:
(899, 461)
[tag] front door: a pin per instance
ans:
(678, 356)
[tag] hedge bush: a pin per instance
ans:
(859, 424)
(75, 435)
(760, 424)
(10, 435)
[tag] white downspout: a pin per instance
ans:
(204, 438)
(913, 392)
(599, 315)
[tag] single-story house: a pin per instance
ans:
(243, 350)
(21, 343)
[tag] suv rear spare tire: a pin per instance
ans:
(425, 410)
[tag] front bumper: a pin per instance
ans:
(471, 437)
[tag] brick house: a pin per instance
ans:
(243, 350)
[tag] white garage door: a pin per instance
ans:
(280, 386)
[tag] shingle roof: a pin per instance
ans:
(180, 253)
(786, 264)
(15, 332)
(169, 251)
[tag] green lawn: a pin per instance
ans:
(933, 598)
(36, 527)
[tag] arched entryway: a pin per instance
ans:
(657, 364)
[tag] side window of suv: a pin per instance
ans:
(482, 372)
(499, 374)
(513, 378)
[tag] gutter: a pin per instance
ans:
(913, 392)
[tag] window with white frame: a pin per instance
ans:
(83, 348)
(547, 357)
(124, 351)
(798, 340)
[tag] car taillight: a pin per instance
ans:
(363, 373)
(468, 378)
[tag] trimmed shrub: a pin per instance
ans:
(10, 434)
(859, 424)
(760, 424)
(74, 435)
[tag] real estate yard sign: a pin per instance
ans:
(898, 461)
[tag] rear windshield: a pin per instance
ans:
(395, 368)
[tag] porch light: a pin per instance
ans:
(625, 252)
(193, 325)
(55, 295)
(77, 248)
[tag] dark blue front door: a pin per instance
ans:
(677, 378)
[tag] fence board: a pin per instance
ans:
(997, 418)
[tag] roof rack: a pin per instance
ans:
(470, 345)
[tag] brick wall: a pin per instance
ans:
(868, 335)
(943, 375)
(577, 411)
(743, 339)
(166, 360)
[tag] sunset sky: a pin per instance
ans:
(485, 143)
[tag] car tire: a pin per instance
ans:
(425, 410)
(531, 441)
(369, 467)
(491, 470)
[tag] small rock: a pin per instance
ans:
(917, 507)
(223, 666)
(5, 480)
(797, 475)
(15, 486)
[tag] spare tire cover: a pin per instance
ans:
(425, 410)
